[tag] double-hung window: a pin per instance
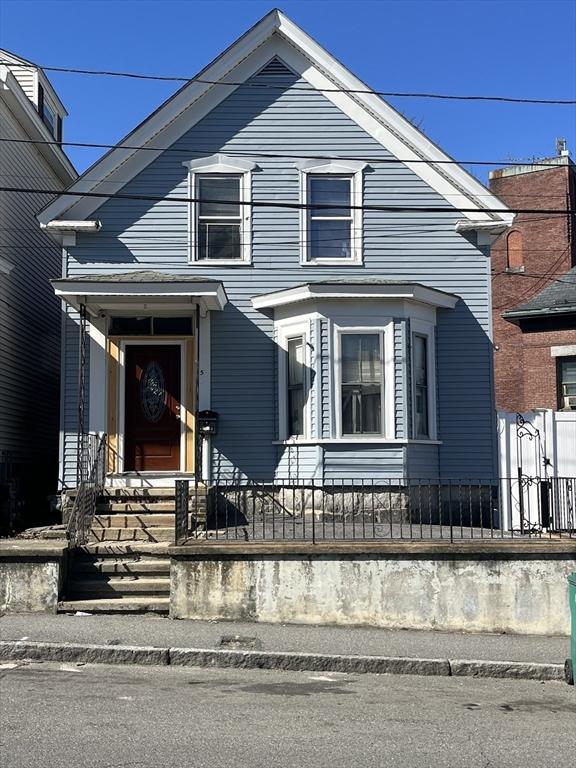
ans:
(295, 386)
(361, 384)
(219, 223)
(567, 383)
(420, 378)
(331, 215)
(330, 223)
(219, 213)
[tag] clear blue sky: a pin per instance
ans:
(498, 47)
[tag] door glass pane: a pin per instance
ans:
(217, 189)
(218, 240)
(329, 190)
(153, 392)
(330, 239)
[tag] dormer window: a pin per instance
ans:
(50, 117)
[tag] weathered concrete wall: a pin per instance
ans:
(31, 575)
(494, 594)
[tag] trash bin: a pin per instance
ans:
(570, 665)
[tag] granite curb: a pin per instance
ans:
(19, 650)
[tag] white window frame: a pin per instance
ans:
(227, 166)
(355, 171)
(388, 413)
(285, 331)
(427, 330)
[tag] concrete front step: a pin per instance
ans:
(123, 585)
(161, 520)
(125, 548)
(132, 604)
(110, 535)
(145, 507)
(147, 493)
(121, 566)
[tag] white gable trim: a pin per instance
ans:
(274, 36)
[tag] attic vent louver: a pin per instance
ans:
(275, 68)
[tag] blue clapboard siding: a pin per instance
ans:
(423, 461)
(399, 376)
(299, 462)
(413, 246)
(370, 462)
(325, 377)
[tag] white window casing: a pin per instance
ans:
(231, 166)
(352, 169)
(426, 330)
(287, 330)
(385, 331)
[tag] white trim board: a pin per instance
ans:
(276, 36)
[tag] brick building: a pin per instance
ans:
(534, 288)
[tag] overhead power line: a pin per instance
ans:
(280, 204)
(277, 155)
(282, 86)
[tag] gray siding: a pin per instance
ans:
(423, 461)
(30, 315)
(421, 247)
(370, 462)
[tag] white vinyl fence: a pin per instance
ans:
(537, 451)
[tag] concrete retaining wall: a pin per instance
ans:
(31, 576)
(498, 592)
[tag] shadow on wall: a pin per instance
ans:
(244, 380)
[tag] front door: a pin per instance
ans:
(152, 408)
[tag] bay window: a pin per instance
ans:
(361, 384)
(420, 378)
(295, 387)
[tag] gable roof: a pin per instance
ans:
(559, 297)
(276, 36)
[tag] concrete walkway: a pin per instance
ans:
(158, 632)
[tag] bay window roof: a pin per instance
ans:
(356, 288)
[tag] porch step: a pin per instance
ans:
(152, 534)
(120, 566)
(120, 587)
(125, 548)
(151, 507)
(132, 604)
(135, 521)
(143, 493)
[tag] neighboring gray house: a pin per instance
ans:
(31, 118)
(338, 340)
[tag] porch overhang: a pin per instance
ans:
(141, 291)
(369, 288)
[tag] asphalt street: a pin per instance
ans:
(56, 715)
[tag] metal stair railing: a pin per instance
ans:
(89, 489)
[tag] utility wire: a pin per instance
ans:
(275, 155)
(282, 86)
(281, 204)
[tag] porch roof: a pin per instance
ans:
(141, 290)
(356, 288)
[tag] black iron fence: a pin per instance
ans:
(353, 509)
(94, 457)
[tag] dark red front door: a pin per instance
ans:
(152, 420)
